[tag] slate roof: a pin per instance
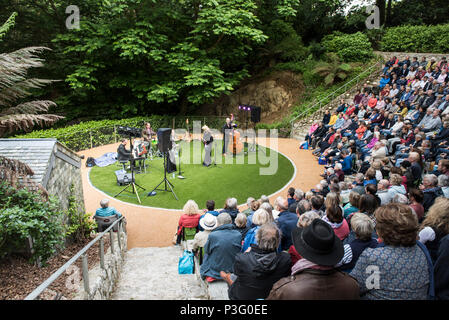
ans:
(36, 153)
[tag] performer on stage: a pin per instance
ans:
(147, 133)
(122, 153)
(227, 134)
(207, 140)
(171, 156)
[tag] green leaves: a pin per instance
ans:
(416, 39)
(23, 214)
(7, 25)
(349, 47)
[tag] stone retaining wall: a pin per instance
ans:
(102, 281)
(402, 55)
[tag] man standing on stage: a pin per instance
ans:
(227, 135)
(207, 140)
(147, 133)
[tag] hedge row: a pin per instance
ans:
(349, 47)
(97, 133)
(432, 39)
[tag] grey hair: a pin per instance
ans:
(303, 206)
(268, 237)
(231, 203)
(240, 220)
(104, 203)
(443, 180)
(249, 200)
(433, 179)
(306, 218)
(324, 183)
(359, 177)
(260, 217)
(299, 194)
(338, 166)
(280, 202)
(224, 218)
(268, 208)
(400, 198)
(362, 225)
(264, 198)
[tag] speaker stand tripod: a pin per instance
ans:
(133, 185)
(165, 180)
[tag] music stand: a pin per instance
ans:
(132, 184)
(165, 180)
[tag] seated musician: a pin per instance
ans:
(147, 133)
(123, 154)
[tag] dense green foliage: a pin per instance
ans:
(417, 39)
(144, 57)
(89, 134)
(349, 47)
(79, 225)
(24, 214)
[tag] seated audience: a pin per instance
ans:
(189, 219)
(320, 250)
(286, 222)
(223, 244)
(208, 223)
(399, 268)
(363, 228)
(256, 270)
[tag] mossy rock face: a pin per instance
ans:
(239, 177)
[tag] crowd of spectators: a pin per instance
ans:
(377, 224)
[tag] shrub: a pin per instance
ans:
(23, 214)
(416, 39)
(97, 133)
(349, 47)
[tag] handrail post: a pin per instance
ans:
(112, 242)
(119, 241)
(85, 273)
(102, 253)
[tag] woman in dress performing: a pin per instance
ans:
(207, 140)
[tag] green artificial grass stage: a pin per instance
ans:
(201, 183)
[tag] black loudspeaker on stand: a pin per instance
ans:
(164, 145)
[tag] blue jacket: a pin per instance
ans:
(347, 164)
(220, 250)
(286, 223)
(250, 238)
(107, 212)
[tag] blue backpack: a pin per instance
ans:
(186, 264)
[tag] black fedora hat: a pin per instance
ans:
(318, 243)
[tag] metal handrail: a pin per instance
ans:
(44, 285)
(313, 105)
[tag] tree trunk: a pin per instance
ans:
(388, 14)
(381, 5)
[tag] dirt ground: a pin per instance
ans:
(18, 277)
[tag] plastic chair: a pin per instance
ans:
(188, 233)
(104, 222)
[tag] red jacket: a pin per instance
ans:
(188, 221)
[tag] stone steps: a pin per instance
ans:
(152, 274)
